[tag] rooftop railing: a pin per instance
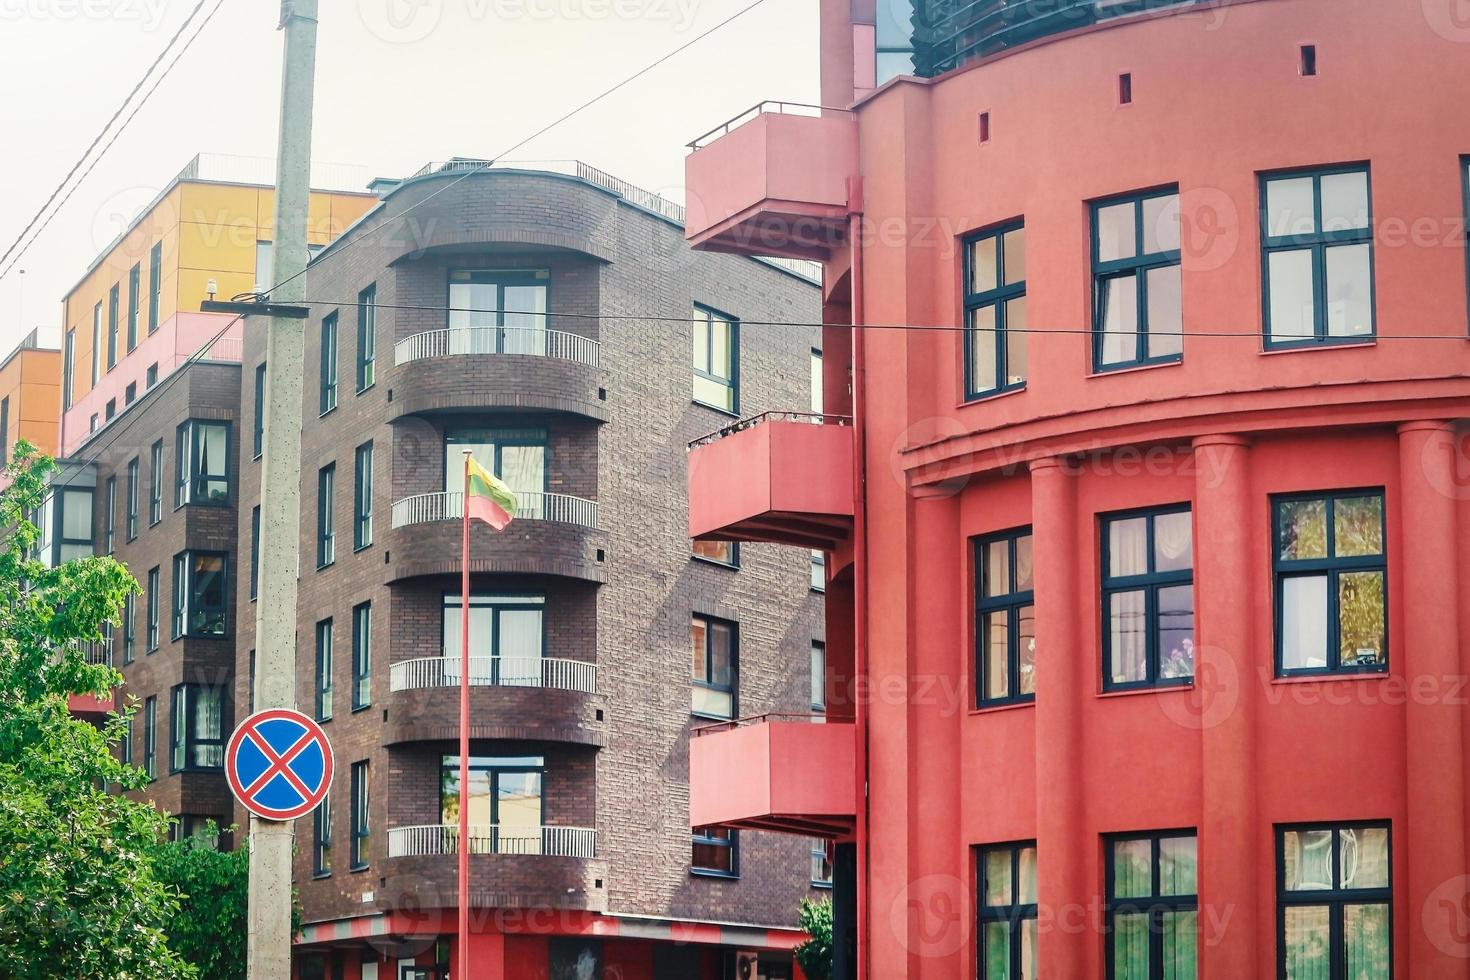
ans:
(799, 718)
(809, 418)
(769, 106)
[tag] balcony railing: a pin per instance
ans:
(535, 341)
(548, 672)
(802, 717)
(437, 839)
(427, 508)
(762, 108)
(810, 418)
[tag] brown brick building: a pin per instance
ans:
(546, 323)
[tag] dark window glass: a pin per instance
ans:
(135, 281)
(361, 849)
(68, 369)
(200, 594)
(130, 628)
(96, 344)
(1136, 284)
(326, 535)
(321, 822)
(203, 463)
(324, 670)
(132, 522)
(1334, 901)
(1005, 889)
(362, 497)
(258, 434)
(109, 514)
(112, 301)
(995, 311)
(155, 483)
(715, 851)
(254, 551)
(1317, 240)
(1005, 620)
(362, 656)
(716, 360)
(713, 682)
(1152, 906)
(151, 378)
(150, 736)
(1148, 599)
(151, 639)
(367, 341)
(1331, 583)
(197, 728)
(155, 284)
(328, 400)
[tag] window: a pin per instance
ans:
(129, 627)
(324, 670)
(821, 874)
(361, 848)
(367, 342)
(135, 280)
(5, 430)
(506, 802)
(203, 457)
(1137, 290)
(1148, 599)
(1331, 583)
(819, 570)
(995, 311)
(321, 823)
(110, 409)
(254, 552)
(362, 497)
(498, 312)
(713, 681)
(130, 393)
(199, 605)
(507, 635)
(68, 368)
(1006, 883)
(67, 526)
(326, 536)
(132, 523)
(109, 514)
(816, 381)
(155, 483)
(719, 552)
(1152, 906)
(112, 303)
(96, 344)
(328, 400)
(92, 423)
(258, 437)
(150, 736)
(250, 683)
(151, 637)
(1005, 620)
(716, 360)
(362, 656)
(151, 378)
(197, 729)
(1335, 901)
(1317, 242)
(715, 852)
(819, 677)
(517, 456)
(125, 744)
(155, 284)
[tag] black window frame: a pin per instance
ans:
(155, 284)
(705, 316)
(1150, 584)
(729, 843)
(362, 496)
(493, 767)
(135, 286)
(818, 677)
(258, 423)
(192, 487)
(5, 430)
(321, 841)
(150, 377)
(129, 627)
(68, 367)
(151, 603)
(113, 300)
(1138, 266)
(1155, 905)
(1013, 915)
(367, 341)
(327, 391)
(1337, 899)
(182, 617)
(821, 870)
(155, 489)
(362, 656)
(96, 343)
(733, 688)
(134, 465)
(326, 523)
(109, 515)
(1011, 602)
(1318, 242)
(150, 737)
(361, 816)
(254, 552)
(1332, 566)
(997, 298)
(323, 698)
(733, 563)
(193, 742)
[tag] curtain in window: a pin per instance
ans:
(523, 468)
(208, 727)
(519, 647)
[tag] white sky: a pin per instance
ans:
(399, 83)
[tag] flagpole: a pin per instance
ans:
(463, 971)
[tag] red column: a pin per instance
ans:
(1434, 840)
(1223, 709)
(1066, 944)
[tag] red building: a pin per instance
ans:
(1145, 510)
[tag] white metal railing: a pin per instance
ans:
(434, 839)
(551, 672)
(535, 341)
(426, 508)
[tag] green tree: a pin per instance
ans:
(815, 955)
(210, 929)
(78, 893)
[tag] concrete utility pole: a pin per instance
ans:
(269, 954)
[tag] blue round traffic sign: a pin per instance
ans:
(279, 764)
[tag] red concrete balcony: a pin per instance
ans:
(787, 773)
(775, 180)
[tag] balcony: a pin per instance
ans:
(436, 839)
(786, 773)
(540, 699)
(510, 866)
(552, 534)
(784, 478)
(459, 368)
(775, 180)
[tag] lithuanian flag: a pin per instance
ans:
(486, 496)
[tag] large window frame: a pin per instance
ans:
(254, 552)
(191, 615)
(155, 284)
(109, 515)
(503, 837)
(1141, 266)
(708, 378)
(1317, 242)
(500, 329)
(362, 656)
(488, 444)
(321, 839)
(135, 286)
(258, 423)
(1156, 907)
(151, 601)
(714, 687)
(132, 489)
(1160, 669)
(150, 737)
(129, 628)
(1333, 567)
(327, 395)
(197, 479)
(155, 484)
(1335, 897)
(112, 314)
(188, 744)
(361, 822)
(714, 842)
(324, 665)
(326, 521)
(362, 497)
(994, 296)
(1012, 606)
(726, 554)
(367, 337)
(1006, 910)
(96, 343)
(488, 637)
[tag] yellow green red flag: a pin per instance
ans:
(487, 498)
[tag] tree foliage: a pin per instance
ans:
(815, 955)
(214, 885)
(78, 892)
